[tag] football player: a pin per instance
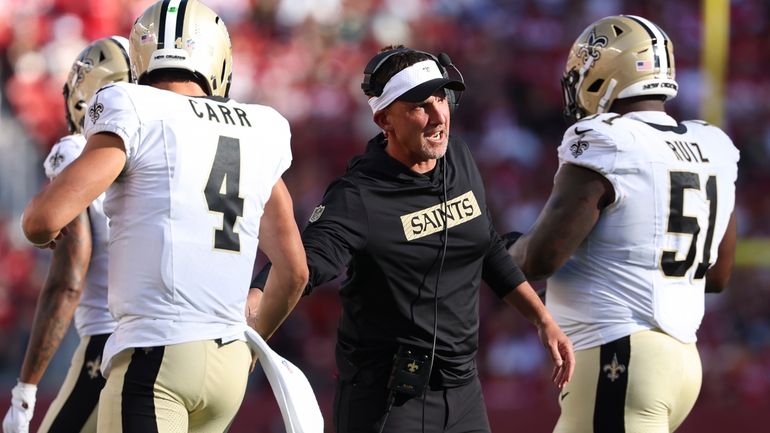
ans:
(638, 225)
(195, 186)
(77, 277)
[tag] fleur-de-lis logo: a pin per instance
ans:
(591, 48)
(56, 160)
(578, 148)
(95, 111)
(93, 367)
(81, 68)
(412, 367)
(614, 369)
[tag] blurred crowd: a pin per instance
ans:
(306, 57)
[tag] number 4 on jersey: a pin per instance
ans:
(222, 192)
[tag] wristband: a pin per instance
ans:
(510, 238)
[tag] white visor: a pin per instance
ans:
(419, 81)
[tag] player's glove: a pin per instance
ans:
(22, 406)
(510, 238)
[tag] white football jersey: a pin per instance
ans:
(643, 264)
(185, 211)
(92, 317)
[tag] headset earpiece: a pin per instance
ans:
(451, 99)
(370, 88)
(374, 64)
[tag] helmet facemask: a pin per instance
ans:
(569, 82)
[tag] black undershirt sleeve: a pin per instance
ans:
(331, 239)
(500, 272)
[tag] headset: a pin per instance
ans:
(443, 61)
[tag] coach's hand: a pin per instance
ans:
(560, 348)
(22, 406)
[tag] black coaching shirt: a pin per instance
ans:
(385, 223)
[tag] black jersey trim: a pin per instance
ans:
(679, 128)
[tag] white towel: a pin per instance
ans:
(292, 390)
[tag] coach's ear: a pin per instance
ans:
(381, 119)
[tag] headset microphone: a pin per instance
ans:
(446, 62)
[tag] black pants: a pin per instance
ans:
(360, 408)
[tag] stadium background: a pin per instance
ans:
(305, 57)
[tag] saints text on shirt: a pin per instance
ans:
(431, 220)
(223, 114)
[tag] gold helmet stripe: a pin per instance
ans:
(123, 51)
(659, 43)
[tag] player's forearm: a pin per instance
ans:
(52, 319)
(55, 308)
(280, 296)
(718, 276)
(39, 223)
(70, 193)
(540, 261)
(58, 299)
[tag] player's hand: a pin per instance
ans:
(52, 243)
(559, 347)
(22, 407)
(252, 305)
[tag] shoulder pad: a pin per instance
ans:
(62, 154)
(592, 143)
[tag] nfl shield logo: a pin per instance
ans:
(316, 213)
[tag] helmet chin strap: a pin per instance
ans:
(603, 102)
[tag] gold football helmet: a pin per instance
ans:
(617, 57)
(183, 34)
(102, 62)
